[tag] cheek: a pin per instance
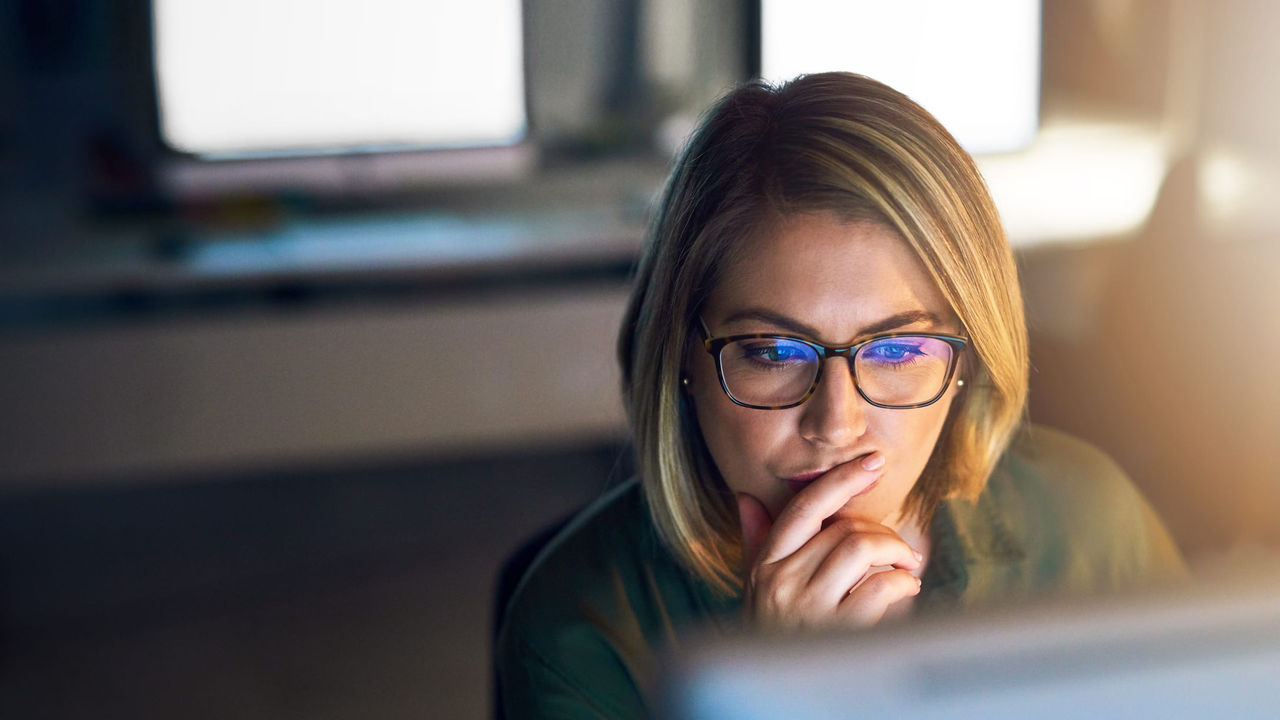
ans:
(739, 439)
(915, 433)
(732, 434)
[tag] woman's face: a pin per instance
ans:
(836, 283)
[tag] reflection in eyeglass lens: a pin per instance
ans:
(902, 370)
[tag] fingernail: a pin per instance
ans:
(874, 461)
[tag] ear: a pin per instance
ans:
(962, 377)
(694, 352)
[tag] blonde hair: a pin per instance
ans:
(833, 142)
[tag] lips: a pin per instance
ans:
(799, 482)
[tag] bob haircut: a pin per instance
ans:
(835, 142)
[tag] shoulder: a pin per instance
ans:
(612, 536)
(585, 623)
(1084, 524)
(1066, 470)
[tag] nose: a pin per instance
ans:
(836, 414)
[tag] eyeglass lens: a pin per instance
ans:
(903, 370)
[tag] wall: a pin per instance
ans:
(282, 387)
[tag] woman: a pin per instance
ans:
(825, 367)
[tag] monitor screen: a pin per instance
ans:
(245, 78)
(1207, 650)
(974, 65)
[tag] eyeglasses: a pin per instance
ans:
(893, 370)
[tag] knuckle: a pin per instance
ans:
(855, 545)
(890, 583)
(774, 596)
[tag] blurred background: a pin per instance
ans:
(307, 309)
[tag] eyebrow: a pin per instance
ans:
(893, 322)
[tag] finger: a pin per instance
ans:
(802, 565)
(802, 518)
(867, 603)
(756, 522)
(856, 559)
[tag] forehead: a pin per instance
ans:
(835, 276)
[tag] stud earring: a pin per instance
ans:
(684, 381)
(959, 383)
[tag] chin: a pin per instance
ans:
(863, 511)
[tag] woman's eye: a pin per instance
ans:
(776, 353)
(891, 353)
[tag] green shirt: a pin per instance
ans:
(605, 599)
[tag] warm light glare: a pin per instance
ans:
(1223, 179)
(246, 77)
(1078, 182)
(974, 65)
(1237, 194)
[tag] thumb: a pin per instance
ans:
(756, 522)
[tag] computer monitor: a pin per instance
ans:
(974, 65)
(1207, 650)
(334, 95)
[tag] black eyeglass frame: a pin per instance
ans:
(714, 345)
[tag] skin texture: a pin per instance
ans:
(839, 551)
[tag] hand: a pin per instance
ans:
(810, 568)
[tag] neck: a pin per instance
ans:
(914, 533)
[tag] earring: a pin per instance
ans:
(959, 383)
(684, 381)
